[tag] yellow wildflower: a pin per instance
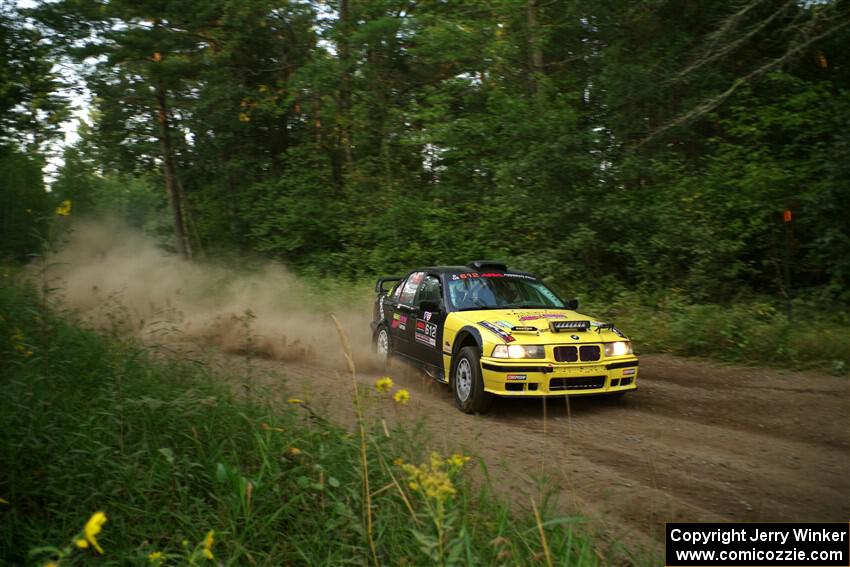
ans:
(295, 401)
(155, 557)
(384, 384)
(51, 564)
(431, 479)
(208, 543)
(457, 460)
(81, 543)
(402, 396)
(64, 209)
(91, 529)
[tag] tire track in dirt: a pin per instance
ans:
(698, 442)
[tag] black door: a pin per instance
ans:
(404, 316)
(430, 314)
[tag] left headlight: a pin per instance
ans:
(519, 351)
(618, 348)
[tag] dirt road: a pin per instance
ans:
(697, 442)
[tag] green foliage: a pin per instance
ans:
(608, 147)
(165, 449)
(31, 110)
(134, 200)
(25, 207)
(290, 218)
(783, 150)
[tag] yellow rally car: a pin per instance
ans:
(489, 331)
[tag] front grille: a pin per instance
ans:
(588, 383)
(566, 354)
(587, 353)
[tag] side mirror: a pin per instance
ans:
(572, 304)
(429, 305)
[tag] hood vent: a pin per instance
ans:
(562, 326)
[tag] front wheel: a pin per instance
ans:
(468, 384)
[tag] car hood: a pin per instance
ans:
(499, 325)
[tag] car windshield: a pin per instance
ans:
(500, 291)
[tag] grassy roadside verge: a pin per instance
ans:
(752, 332)
(184, 473)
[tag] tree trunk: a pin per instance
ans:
(535, 51)
(172, 184)
(345, 81)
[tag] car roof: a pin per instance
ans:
(469, 270)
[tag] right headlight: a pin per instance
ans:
(618, 348)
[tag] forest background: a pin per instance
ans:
(683, 166)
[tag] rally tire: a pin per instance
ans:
(383, 345)
(468, 384)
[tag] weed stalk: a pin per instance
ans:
(364, 462)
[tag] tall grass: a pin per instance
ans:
(185, 470)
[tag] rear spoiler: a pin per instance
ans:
(379, 285)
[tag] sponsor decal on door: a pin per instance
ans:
(426, 333)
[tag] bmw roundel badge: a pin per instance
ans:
(574, 337)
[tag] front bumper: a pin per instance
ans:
(520, 378)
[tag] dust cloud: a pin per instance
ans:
(118, 280)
